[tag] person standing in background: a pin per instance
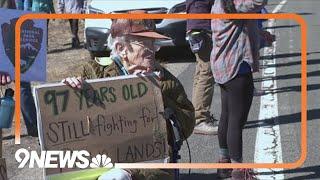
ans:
(44, 6)
(27, 102)
(25, 5)
(28, 108)
(199, 36)
(234, 57)
(9, 4)
(72, 7)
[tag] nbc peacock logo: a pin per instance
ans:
(101, 161)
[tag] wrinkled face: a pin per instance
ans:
(140, 51)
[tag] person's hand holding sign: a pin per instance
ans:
(4, 78)
(74, 82)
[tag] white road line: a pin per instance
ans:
(268, 141)
(279, 6)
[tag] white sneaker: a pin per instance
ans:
(207, 127)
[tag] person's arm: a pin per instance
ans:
(4, 78)
(176, 99)
(184, 112)
(61, 6)
(90, 71)
(249, 6)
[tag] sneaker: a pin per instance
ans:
(208, 127)
(224, 173)
(33, 133)
(243, 174)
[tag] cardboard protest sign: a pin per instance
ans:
(3, 169)
(121, 117)
(33, 46)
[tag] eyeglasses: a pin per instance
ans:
(142, 42)
(146, 44)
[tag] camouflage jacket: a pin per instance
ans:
(173, 93)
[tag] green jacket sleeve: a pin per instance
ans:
(174, 97)
(93, 70)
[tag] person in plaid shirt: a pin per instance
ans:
(28, 108)
(234, 58)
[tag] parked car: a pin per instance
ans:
(97, 30)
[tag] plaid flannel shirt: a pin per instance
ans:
(234, 41)
(71, 6)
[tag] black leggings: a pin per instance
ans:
(74, 25)
(236, 99)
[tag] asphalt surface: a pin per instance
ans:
(288, 92)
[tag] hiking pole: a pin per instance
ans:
(176, 142)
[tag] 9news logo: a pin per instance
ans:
(67, 159)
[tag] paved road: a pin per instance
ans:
(287, 94)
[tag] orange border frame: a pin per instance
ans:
(296, 17)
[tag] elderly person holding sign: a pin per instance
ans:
(133, 52)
